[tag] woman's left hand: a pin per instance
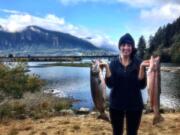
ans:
(144, 63)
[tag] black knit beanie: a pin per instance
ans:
(127, 38)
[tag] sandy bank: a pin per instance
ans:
(171, 69)
(86, 125)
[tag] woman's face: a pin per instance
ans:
(126, 50)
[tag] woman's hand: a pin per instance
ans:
(144, 63)
(103, 65)
(106, 66)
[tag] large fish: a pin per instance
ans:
(98, 89)
(154, 87)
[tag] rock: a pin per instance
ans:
(147, 111)
(21, 116)
(83, 110)
(94, 113)
(82, 116)
(168, 110)
(172, 110)
(178, 110)
(66, 112)
(42, 121)
(43, 133)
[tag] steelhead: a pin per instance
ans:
(154, 87)
(98, 89)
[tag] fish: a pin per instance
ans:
(154, 88)
(98, 89)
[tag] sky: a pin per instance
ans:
(101, 22)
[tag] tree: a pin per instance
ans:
(175, 50)
(141, 47)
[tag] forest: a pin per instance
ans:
(165, 43)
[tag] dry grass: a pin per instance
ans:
(87, 125)
(35, 105)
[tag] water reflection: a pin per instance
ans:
(67, 81)
(75, 82)
(170, 89)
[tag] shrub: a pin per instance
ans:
(35, 105)
(5, 111)
(62, 104)
(18, 107)
(14, 80)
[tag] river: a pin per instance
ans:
(75, 82)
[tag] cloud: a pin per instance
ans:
(148, 3)
(139, 3)
(17, 21)
(160, 11)
(165, 13)
(10, 11)
(71, 2)
(102, 40)
(133, 3)
(136, 3)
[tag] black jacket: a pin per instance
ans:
(125, 86)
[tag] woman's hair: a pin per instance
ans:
(127, 38)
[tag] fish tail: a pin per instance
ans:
(157, 119)
(104, 116)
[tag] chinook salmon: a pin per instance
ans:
(154, 87)
(98, 89)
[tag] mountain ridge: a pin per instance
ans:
(34, 38)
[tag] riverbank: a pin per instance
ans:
(86, 125)
(171, 69)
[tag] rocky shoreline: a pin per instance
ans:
(171, 69)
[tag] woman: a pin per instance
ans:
(126, 76)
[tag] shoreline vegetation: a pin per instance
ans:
(21, 94)
(173, 69)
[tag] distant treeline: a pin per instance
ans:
(165, 42)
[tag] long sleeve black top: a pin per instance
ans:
(125, 86)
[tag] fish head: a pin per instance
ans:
(157, 62)
(154, 63)
(95, 69)
(151, 63)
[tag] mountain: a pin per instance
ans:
(166, 42)
(106, 46)
(1, 28)
(36, 40)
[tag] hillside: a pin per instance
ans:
(166, 42)
(35, 40)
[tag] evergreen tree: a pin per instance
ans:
(141, 47)
(166, 42)
(175, 50)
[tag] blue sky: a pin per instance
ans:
(101, 20)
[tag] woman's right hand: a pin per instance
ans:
(106, 66)
(103, 65)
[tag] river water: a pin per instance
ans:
(75, 82)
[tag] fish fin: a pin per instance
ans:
(104, 117)
(157, 119)
(93, 61)
(99, 81)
